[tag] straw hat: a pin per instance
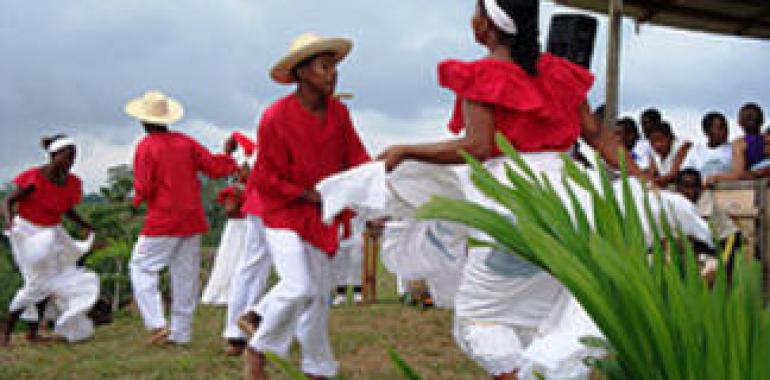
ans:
(155, 107)
(305, 46)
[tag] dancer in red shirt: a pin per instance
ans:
(304, 137)
(166, 167)
(43, 250)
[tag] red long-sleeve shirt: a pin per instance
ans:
(166, 167)
(298, 150)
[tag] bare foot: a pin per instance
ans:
(255, 365)
(235, 347)
(159, 336)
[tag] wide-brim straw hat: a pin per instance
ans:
(155, 107)
(305, 46)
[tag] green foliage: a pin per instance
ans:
(291, 371)
(660, 319)
(10, 278)
(404, 368)
(215, 213)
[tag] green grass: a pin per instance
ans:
(361, 336)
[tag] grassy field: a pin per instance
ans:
(361, 336)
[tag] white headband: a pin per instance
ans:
(500, 18)
(60, 144)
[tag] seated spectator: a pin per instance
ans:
(628, 133)
(747, 151)
(668, 155)
(714, 157)
(724, 229)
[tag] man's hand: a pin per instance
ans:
(311, 196)
(230, 145)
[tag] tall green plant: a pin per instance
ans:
(660, 319)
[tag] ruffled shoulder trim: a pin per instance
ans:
(573, 81)
(500, 83)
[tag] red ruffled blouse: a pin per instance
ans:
(46, 204)
(536, 113)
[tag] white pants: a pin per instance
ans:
(347, 264)
(182, 257)
(249, 281)
(299, 304)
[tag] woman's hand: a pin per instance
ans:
(311, 196)
(393, 156)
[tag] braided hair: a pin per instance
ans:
(525, 45)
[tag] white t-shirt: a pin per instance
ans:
(710, 161)
(665, 165)
(641, 153)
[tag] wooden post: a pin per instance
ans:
(615, 21)
(370, 261)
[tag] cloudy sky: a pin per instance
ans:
(69, 66)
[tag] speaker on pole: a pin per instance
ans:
(573, 36)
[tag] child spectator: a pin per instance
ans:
(748, 150)
(668, 153)
(628, 133)
(715, 157)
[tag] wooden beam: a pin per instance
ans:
(756, 21)
(615, 15)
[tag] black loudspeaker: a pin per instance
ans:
(573, 37)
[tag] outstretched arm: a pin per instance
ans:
(216, 165)
(479, 141)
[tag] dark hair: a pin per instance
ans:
(46, 141)
(709, 119)
(652, 113)
(628, 123)
(524, 45)
(688, 172)
(600, 111)
(663, 127)
(154, 127)
(758, 109)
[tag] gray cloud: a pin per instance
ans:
(71, 65)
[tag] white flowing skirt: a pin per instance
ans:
(509, 314)
(501, 294)
(433, 251)
(46, 257)
(231, 248)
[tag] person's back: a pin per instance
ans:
(174, 168)
(166, 167)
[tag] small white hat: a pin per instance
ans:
(155, 107)
(305, 46)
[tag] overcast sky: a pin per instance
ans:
(69, 66)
